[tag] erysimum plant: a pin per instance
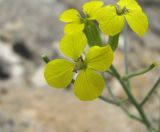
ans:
(76, 21)
(89, 83)
(111, 18)
(83, 69)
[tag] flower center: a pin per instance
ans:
(80, 64)
(120, 10)
(84, 18)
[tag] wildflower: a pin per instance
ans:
(89, 83)
(111, 18)
(76, 22)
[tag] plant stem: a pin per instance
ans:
(158, 96)
(126, 53)
(127, 77)
(156, 93)
(150, 92)
(109, 72)
(126, 49)
(132, 99)
(108, 100)
(110, 91)
(131, 115)
(120, 104)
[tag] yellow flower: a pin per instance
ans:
(75, 20)
(111, 18)
(89, 83)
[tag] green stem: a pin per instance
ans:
(108, 100)
(126, 53)
(150, 92)
(131, 115)
(126, 49)
(127, 77)
(120, 104)
(132, 99)
(110, 91)
(158, 96)
(113, 41)
(109, 72)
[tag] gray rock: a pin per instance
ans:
(33, 21)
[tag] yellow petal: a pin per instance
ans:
(74, 27)
(72, 45)
(90, 8)
(129, 4)
(58, 73)
(110, 23)
(138, 22)
(88, 85)
(70, 15)
(99, 58)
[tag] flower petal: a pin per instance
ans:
(99, 58)
(90, 8)
(88, 85)
(74, 27)
(110, 23)
(70, 15)
(129, 4)
(58, 73)
(138, 21)
(72, 45)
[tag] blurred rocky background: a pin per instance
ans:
(29, 28)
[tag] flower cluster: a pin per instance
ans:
(111, 18)
(76, 22)
(85, 67)
(89, 83)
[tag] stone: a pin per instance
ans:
(20, 48)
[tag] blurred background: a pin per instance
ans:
(29, 28)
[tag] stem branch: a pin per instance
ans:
(150, 92)
(131, 98)
(120, 104)
(108, 100)
(127, 77)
